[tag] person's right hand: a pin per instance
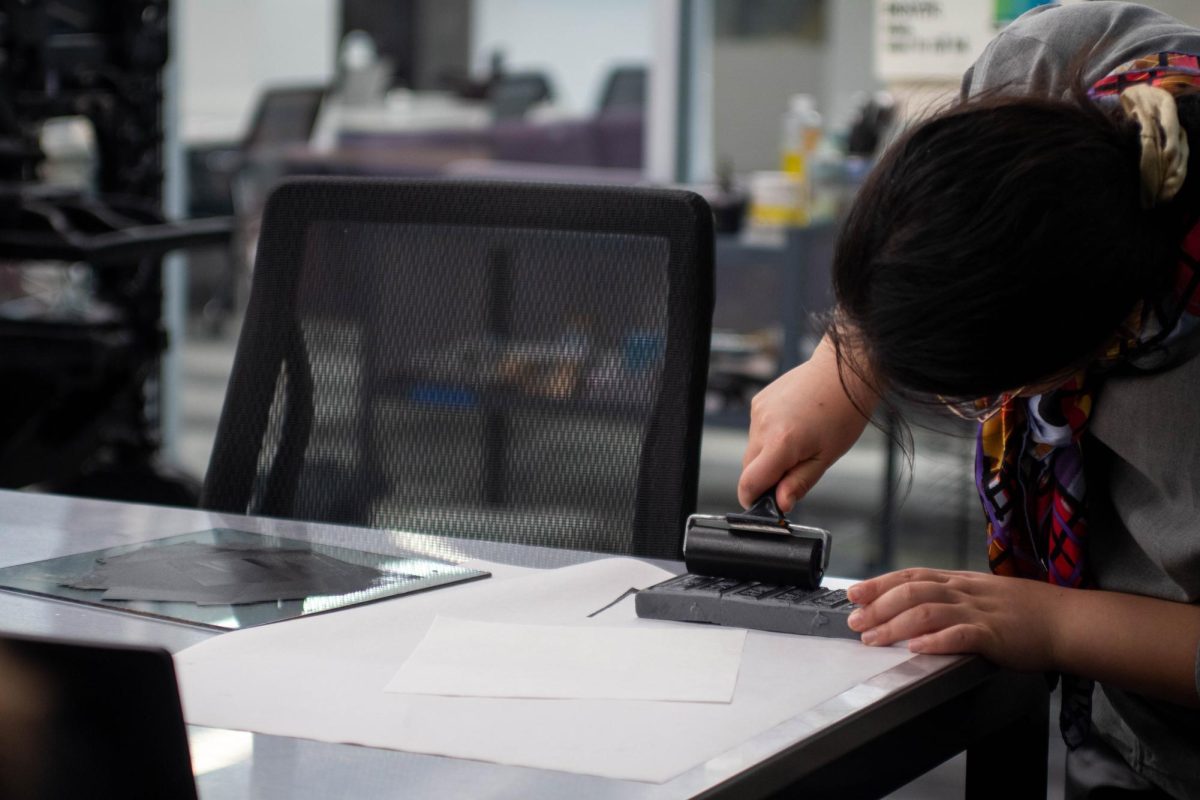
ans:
(799, 425)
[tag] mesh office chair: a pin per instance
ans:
(497, 361)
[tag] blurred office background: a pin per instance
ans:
(676, 92)
(773, 109)
(630, 91)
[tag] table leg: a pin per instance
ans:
(1011, 760)
(885, 555)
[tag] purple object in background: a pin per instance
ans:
(619, 138)
(567, 142)
(610, 140)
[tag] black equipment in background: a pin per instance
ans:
(81, 332)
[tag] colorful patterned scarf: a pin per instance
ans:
(1029, 459)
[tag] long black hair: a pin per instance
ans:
(997, 244)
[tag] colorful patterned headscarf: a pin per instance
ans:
(1029, 459)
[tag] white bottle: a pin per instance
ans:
(801, 135)
(800, 139)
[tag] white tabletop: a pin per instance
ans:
(235, 765)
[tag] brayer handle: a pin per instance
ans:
(765, 511)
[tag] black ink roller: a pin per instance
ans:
(752, 569)
(758, 544)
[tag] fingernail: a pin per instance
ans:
(870, 636)
(915, 645)
(853, 620)
(854, 594)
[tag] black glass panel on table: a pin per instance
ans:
(225, 578)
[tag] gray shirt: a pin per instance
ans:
(1143, 449)
(1143, 470)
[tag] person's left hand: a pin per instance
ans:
(1011, 621)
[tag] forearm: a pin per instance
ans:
(1142, 644)
(855, 386)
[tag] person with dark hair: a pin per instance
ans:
(1030, 258)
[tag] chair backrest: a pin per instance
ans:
(500, 361)
(624, 90)
(514, 94)
(284, 115)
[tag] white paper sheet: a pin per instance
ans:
(322, 678)
(467, 658)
